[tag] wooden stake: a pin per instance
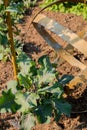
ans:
(11, 41)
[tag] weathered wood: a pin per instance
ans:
(63, 32)
(41, 23)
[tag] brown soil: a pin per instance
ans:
(35, 46)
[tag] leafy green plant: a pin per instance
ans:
(17, 9)
(10, 13)
(39, 94)
(4, 50)
(79, 9)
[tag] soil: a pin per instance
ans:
(35, 46)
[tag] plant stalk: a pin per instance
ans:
(11, 40)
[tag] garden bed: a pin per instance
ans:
(35, 46)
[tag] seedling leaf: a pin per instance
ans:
(44, 113)
(12, 84)
(62, 106)
(7, 102)
(46, 73)
(21, 99)
(25, 81)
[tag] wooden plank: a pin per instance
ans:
(63, 32)
(71, 60)
(59, 50)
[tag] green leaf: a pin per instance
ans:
(65, 79)
(44, 113)
(7, 102)
(44, 61)
(32, 100)
(3, 37)
(12, 84)
(25, 81)
(21, 99)
(62, 106)
(27, 101)
(46, 73)
(25, 64)
(28, 121)
(45, 78)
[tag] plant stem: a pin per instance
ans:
(11, 40)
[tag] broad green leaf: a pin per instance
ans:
(12, 84)
(44, 113)
(25, 81)
(26, 100)
(28, 121)
(21, 99)
(25, 64)
(46, 73)
(62, 106)
(46, 78)
(7, 102)
(32, 100)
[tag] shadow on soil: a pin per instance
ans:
(79, 109)
(31, 48)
